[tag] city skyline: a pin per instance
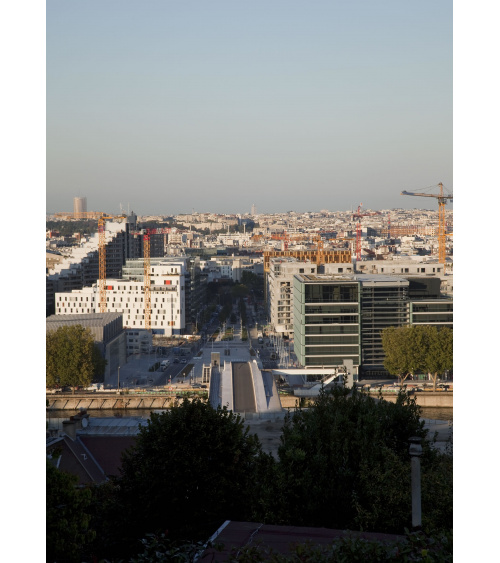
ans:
(216, 107)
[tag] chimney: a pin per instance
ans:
(69, 428)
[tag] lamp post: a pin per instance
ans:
(416, 506)
(118, 391)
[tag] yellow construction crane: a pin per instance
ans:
(147, 281)
(102, 262)
(442, 198)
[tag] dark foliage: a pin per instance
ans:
(192, 468)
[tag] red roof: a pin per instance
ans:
(236, 535)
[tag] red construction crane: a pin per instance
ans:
(442, 198)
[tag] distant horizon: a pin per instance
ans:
(351, 210)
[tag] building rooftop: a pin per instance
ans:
(86, 320)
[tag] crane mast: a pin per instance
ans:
(147, 281)
(442, 198)
(102, 261)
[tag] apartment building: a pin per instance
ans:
(195, 283)
(279, 289)
(168, 291)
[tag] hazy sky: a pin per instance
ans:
(206, 105)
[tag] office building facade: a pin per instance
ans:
(339, 317)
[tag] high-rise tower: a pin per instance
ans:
(79, 207)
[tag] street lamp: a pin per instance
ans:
(118, 380)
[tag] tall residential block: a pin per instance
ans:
(79, 207)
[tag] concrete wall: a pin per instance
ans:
(438, 399)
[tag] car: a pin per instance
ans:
(176, 360)
(183, 361)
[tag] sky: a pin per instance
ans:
(167, 107)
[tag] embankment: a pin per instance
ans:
(424, 399)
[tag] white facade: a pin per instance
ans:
(226, 267)
(127, 297)
(280, 290)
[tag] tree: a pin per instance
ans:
(418, 348)
(405, 350)
(344, 464)
(192, 468)
(67, 518)
(72, 357)
(439, 351)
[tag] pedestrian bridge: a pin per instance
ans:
(243, 388)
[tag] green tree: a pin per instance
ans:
(405, 350)
(67, 516)
(72, 357)
(411, 349)
(344, 463)
(395, 361)
(192, 468)
(438, 351)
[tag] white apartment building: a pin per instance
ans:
(227, 267)
(127, 297)
(234, 239)
(280, 290)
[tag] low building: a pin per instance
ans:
(107, 330)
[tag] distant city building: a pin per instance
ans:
(127, 297)
(254, 210)
(79, 207)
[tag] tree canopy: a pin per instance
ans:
(67, 516)
(72, 357)
(191, 469)
(418, 348)
(344, 463)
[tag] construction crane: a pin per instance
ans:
(147, 280)
(102, 261)
(442, 198)
(319, 250)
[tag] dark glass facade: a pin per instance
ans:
(326, 321)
